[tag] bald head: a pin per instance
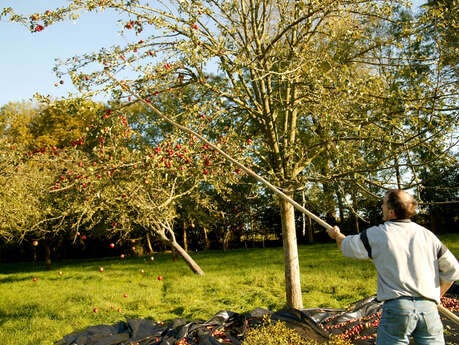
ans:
(402, 203)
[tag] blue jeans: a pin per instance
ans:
(407, 316)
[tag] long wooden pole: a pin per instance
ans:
(257, 177)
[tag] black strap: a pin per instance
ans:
(443, 250)
(366, 244)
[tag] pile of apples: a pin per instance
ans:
(450, 303)
(362, 328)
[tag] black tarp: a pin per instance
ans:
(357, 323)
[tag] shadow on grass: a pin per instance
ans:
(178, 311)
(24, 312)
(79, 264)
(15, 279)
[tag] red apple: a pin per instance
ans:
(122, 256)
(101, 269)
(160, 278)
(83, 237)
(133, 248)
(35, 243)
(112, 245)
(119, 310)
(35, 279)
(96, 310)
(151, 258)
(125, 295)
(132, 241)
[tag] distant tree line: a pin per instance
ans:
(239, 215)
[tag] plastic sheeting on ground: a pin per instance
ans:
(357, 323)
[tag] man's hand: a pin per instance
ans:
(336, 235)
(334, 232)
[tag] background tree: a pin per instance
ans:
(124, 186)
(34, 141)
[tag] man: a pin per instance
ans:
(414, 270)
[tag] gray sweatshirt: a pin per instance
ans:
(410, 260)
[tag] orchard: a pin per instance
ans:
(220, 119)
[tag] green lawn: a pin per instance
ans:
(240, 280)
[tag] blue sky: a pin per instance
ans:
(27, 59)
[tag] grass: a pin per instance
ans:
(44, 311)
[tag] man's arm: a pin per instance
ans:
(336, 234)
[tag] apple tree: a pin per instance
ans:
(35, 140)
(124, 184)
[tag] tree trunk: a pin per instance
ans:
(47, 254)
(397, 174)
(174, 254)
(206, 238)
(339, 197)
(303, 197)
(150, 248)
(185, 241)
(433, 222)
(310, 232)
(226, 239)
(330, 203)
(186, 257)
(356, 217)
(291, 263)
